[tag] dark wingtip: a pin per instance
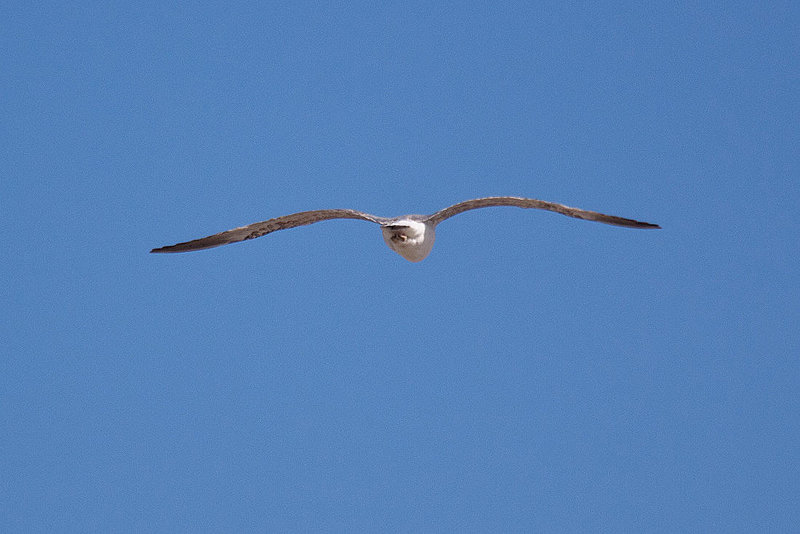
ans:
(633, 223)
(170, 248)
(189, 246)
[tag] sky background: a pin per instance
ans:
(534, 373)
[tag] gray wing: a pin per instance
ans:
(519, 202)
(251, 231)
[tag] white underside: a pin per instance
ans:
(411, 239)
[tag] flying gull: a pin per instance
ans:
(411, 236)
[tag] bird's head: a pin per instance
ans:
(410, 238)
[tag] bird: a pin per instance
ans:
(411, 236)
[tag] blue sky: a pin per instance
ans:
(534, 373)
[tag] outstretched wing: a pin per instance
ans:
(251, 231)
(519, 202)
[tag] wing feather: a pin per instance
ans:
(519, 202)
(251, 231)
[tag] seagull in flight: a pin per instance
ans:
(411, 236)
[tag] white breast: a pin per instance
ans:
(411, 239)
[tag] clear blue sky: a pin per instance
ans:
(535, 373)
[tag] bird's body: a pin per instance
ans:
(411, 236)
